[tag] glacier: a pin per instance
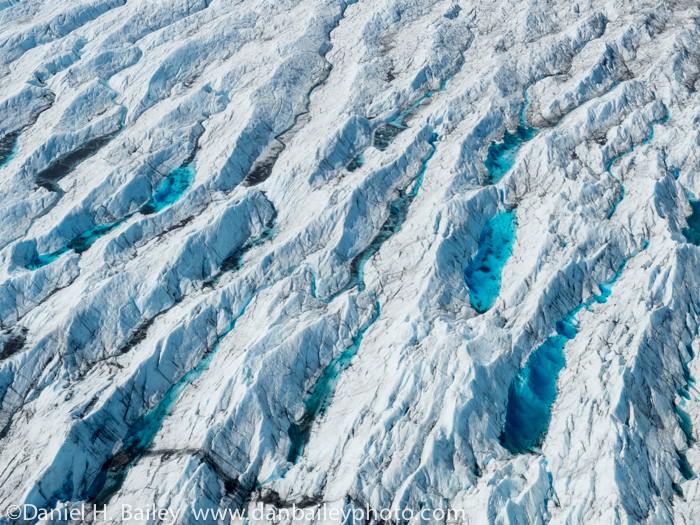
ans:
(388, 255)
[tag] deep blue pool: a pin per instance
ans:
(79, 244)
(483, 274)
(8, 147)
(534, 389)
(692, 231)
(501, 155)
(170, 189)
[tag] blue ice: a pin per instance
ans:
(483, 274)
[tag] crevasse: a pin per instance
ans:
(385, 134)
(323, 390)
(692, 231)
(621, 193)
(683, 418)
(398, 211)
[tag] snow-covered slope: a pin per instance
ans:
(386, 254)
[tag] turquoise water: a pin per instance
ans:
(398, 211)
(144, 429)
(234, 261)
(618, 199)
(86, 239)
(483, 274)
(170, 189)
(78, 244)
(692, 231)
(385, 134)
(501, 155)
(8, 147)
(685, 424)
(534, 389)
(43, 259)
(322, 392)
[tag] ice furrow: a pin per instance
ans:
(140, 436)
(59, 168)
(534, 389)
(359, 255)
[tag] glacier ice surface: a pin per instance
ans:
(403, 254)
